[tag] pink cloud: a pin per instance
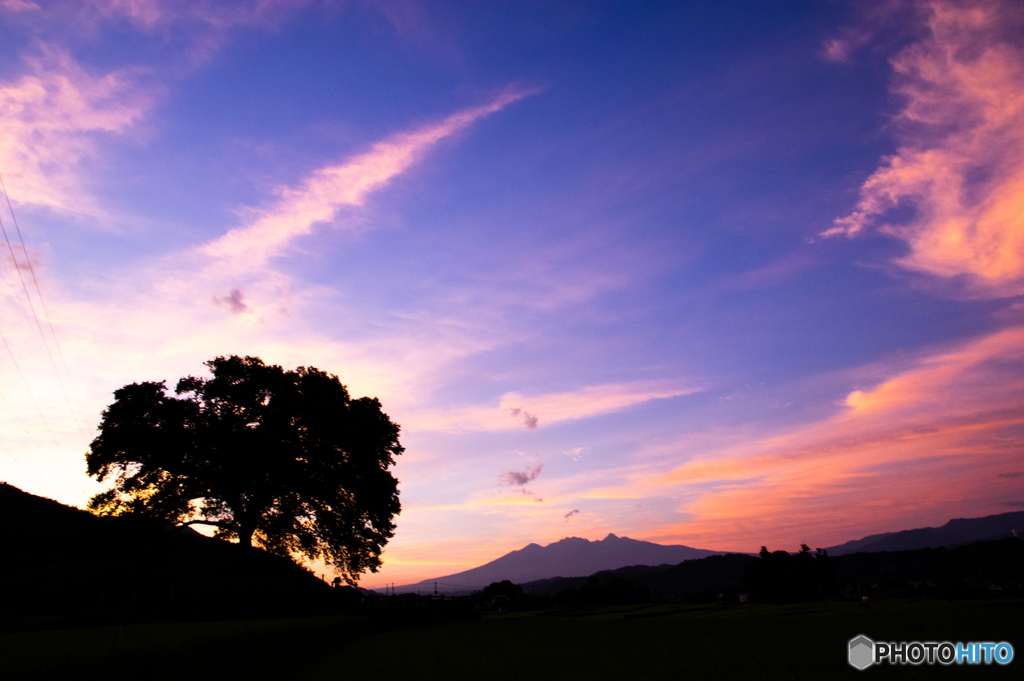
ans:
(49, 123)
(154, 14)
(322, 194)
(19, 5)
(594, 400)
(960, 164)
(546, 409)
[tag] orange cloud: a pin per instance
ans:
(935, 435)
(960, 165)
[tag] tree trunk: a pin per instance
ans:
(245, 536)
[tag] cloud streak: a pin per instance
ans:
(960, 164)
(547, 409)
(319, 197)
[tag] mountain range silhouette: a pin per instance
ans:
(577, 557)
(570, 557)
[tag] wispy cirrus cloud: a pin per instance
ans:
(50, 120)
(19, 5)
(546, 409)
(318, 198)
(960, 164)
(152, 13)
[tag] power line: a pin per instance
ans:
(21, 303)
(42, 303)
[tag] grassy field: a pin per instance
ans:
(640, 642)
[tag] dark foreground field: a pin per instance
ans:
(741, 641)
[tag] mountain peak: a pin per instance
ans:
(567, 557)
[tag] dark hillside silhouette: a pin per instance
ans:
(692, 580)
(954, 533)
(991, 569)
(981, 569)
(70, 565)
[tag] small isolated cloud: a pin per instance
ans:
(528, 419)
(1014, 504)
(576, 453)
(233, 302)
(841, 48)
(571, 513)
(1011, 475)
(519, 479)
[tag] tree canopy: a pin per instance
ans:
(283, 459)
(780, 577)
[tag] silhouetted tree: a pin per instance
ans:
(778, 576)
(285, 459)
(502, 588)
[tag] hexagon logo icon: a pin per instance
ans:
(862, 652)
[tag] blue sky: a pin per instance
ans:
(727, 275)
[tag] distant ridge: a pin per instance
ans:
(570, 557)
(576, 557)
(954, 533)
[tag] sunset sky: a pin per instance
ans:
(717, 274)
